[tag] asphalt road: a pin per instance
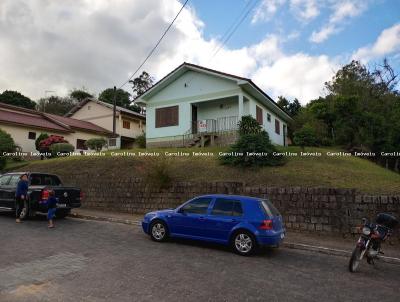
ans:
(99, 261)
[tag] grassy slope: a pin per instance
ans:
(339, 172)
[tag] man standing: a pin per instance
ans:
(21, 196)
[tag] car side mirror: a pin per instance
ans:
(181, 211)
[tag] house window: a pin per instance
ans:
(268, 117)
(277, 127)
(259, 115)
(89, 107)
(32, 135)
(167, 116)
(126, 124)
(112, 142)
(81, 144)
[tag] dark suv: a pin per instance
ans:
(39, 184)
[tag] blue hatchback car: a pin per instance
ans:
(244, 223)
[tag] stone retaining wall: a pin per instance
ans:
(304, 209)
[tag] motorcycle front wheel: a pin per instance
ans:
(355, 260)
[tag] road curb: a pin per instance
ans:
(107, 219)
(290, 245)
(334, 252)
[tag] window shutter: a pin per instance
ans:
(277, 127)
(167, 116)
(259, 115)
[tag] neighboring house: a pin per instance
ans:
(129, 124)
(25, 125)
(194, 105)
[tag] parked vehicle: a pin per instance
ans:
(39, 185)
(244, 223)
(372, 236)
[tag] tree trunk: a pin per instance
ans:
(396, 165)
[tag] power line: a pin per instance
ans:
(235, 27)
(155, 47)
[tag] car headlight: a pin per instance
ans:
(366, 231)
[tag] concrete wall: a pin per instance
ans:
(304, 209)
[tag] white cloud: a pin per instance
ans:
(60, 45)
(266, 10)
(342, 12)
(305, 9)
(387, 43)
(299, 75)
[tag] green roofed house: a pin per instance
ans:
(194, 106)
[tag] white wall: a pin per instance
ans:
(20, 136)
(103, 116)
(268, 126)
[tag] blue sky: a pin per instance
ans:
(357, 31)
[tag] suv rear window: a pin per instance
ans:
(269, 208)
(44, 180)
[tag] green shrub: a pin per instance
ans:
(305, 136)
(141, 141)
(159, 173)
(6, 145)
(61, 148)
(40, 138)
(96, 143)
(252, 150)
(249, 125)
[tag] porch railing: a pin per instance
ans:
(218, 125)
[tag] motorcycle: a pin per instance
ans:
(371, 238)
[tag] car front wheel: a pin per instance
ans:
(158, 231)
(243, 243)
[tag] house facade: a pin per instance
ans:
(25, 125)
(194, 105)
(128, 124)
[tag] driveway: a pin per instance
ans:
(100, 261)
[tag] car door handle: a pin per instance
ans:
(201, 218)
(233, 220)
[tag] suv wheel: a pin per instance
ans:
(158, 231)
(62, 213)
(243, 243)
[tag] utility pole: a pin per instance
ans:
(114, 109)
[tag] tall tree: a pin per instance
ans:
(79, 94)
(292, 107)
(122, 97)
(141, 84)
(56, 105)
(17, 99)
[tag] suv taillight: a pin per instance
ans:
(266, 225)
(45, 194)
(81, 195)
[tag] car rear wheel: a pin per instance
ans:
(158, 231)
(243, 243)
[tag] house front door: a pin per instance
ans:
(194, 119)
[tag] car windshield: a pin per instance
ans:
(269, 208)
(44, 180)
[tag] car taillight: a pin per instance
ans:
(45, 194)
(266, 225)
(81, 195)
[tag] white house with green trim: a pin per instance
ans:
(194, 105)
